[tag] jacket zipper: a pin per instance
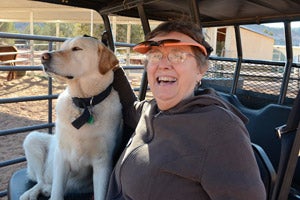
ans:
(157, 114)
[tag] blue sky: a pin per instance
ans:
(294, 24)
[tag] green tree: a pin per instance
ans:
(98, 30)
(82, 29)
(48, 29)
(268, 32)
(7, 27)
(41, 29)
(67, 30)
(137, 33)
(121, 35)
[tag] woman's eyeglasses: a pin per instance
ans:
(173, 56)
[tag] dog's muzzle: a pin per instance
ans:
(46, 60)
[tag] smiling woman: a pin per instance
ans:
(174, 145)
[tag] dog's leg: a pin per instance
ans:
(36, 146)
(101, 172)
(61, 171)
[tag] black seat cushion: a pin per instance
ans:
(19, 183)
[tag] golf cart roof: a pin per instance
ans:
(211, 12)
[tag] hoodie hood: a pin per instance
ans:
(206, 97)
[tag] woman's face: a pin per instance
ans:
(170, 83)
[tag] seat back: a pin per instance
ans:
(267, 171)
(262, 125)
(290, 145)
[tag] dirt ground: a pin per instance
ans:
(15, 115)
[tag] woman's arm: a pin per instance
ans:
(127, 97)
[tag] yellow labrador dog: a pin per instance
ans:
(79, 155)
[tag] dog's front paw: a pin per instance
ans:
(56, 198)
(31, 194)
(46, 190)
(35, 191)
(25, 196)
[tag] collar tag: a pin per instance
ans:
(87, 104)
(91, 119)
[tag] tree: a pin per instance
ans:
(66, 30)
(82, 29)
(137, 33)
(121, 33)
(7, 27)
(98, 30)
(75, 29)
(268, 32)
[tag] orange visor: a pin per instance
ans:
(145, 46)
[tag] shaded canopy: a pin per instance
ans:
(211, 12)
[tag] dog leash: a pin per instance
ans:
(87, 104)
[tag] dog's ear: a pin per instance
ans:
(107, 59)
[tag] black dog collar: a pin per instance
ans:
(87, 104)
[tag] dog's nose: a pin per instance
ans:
(45, 57)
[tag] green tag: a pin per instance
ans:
(91, 119)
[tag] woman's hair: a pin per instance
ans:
(190, 29)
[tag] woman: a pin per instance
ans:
(188, 143)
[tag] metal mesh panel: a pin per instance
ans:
(259, 83)
(294, 83)
(219, 76)
(261, 78)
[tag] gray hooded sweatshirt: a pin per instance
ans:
(199, 149)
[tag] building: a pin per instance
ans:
(255, 45)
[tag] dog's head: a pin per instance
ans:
(79, 57)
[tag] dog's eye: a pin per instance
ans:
(76, 49)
